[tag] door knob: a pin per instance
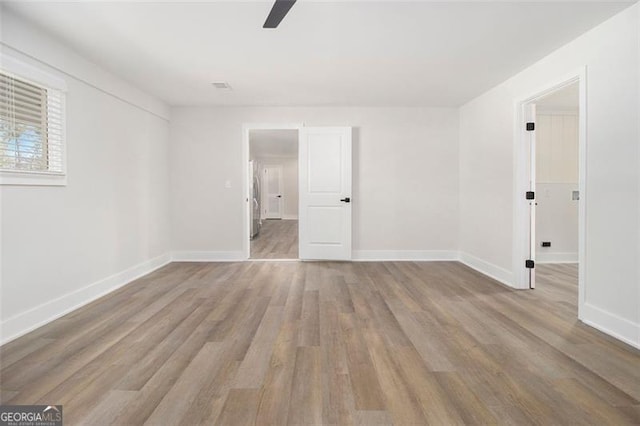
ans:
(346, 200)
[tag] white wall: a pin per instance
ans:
(289, 183)
(405, 177)
(63, 246)
(290, 178)
(556, 179)
(610, 53)
(557, 223)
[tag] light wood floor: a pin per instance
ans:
(278, 239)
(326, 343)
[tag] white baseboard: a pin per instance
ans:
(207, 256)
(404, 255)
(611, 324)
(290, 217)
(489, 269)
(24, 322)
(557, 257)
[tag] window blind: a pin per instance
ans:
(31, 127)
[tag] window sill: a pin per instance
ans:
(8, 178)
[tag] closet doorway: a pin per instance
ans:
(557, 194)
(551, 193)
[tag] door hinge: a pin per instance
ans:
(531, 126)
(529, 264)
(530, 195)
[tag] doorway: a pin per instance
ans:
(557, 193)
(324, 192)
(551, 186)
(273, 193)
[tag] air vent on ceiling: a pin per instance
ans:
(221, 85)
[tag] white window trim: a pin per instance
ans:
(38, 76)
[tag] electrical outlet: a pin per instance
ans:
(546, 244)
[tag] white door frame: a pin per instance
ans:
(521, 222)
(246, 214)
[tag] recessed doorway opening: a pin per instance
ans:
(551, 185)
(273, 193)
(557, 188)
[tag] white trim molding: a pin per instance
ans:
(31, 73)
(404, 255)
(611, 324)
(489, 269)
(36, 317)
(10, 177)
(208, 256)
(542, 111)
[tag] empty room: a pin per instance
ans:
(317, 212)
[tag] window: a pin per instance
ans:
(31, 131)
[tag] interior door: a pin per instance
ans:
(272, 186)
(325, 193)
(531, 118)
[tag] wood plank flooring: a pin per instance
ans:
(278, 239)
(276, 343)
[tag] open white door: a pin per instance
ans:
(272, 178)
(531, 194)
(325, 193)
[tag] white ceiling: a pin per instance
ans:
(273, 143)
(565, 99)
(365, 53)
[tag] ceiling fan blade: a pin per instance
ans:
(278, 12)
